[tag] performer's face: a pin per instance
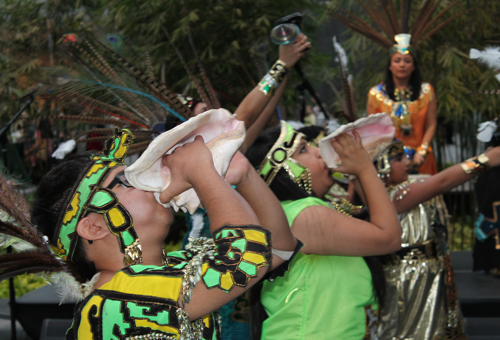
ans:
(199, 108)
(400, 167)
(151, 219)
(320, 174)
(402, 65)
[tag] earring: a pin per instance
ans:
(164, 257)
(90, 242)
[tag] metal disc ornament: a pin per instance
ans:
(284, 34)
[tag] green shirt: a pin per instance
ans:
(320, 297)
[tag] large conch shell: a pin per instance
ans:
(376, 131)
(223, 135)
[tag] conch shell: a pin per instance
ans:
(223, 135)
(376, 132)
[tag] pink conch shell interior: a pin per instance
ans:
(223, 135)
(376, 131)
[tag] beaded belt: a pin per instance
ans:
(426, 250)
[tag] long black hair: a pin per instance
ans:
(415, 81)
(51, 195)
(285, 189)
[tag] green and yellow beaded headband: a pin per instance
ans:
(89, 196)
(280, 157)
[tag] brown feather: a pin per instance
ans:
(203, 95)
(377, 17)
(105, 69)
(30, 261)
(208, 85)
(91, 120)
(160, 90)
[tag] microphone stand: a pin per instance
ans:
(306, 85)
(6, 127)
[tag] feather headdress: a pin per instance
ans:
(107, 89)
(32, 253)
(392, 19)
(347, 100)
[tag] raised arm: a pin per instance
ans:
(253, 104)
(263, 202)
(440, 183)
(325, 231)
(238, 266)
(256, 128)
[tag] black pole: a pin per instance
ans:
(12, 303)
(307, 86)
(6, 127)
(407, 16)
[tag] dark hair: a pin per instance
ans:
(312, 132)
(51, 197)
(282, 186)
(415, 81)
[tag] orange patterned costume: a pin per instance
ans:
(379, 101)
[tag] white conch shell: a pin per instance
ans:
(223, 135)
(376, 131)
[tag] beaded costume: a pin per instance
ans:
(142, 301)
(409, 113)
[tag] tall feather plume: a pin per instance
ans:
(105, 88)
(12, 202)
(358, 25)
(348, 102)
(203, 95)
(15, 229)
(151, 83)
(103, 66)
(383, 14)
(70, 87)
(211, 91)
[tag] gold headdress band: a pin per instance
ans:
(394, 150)
(280, 157)
(402, 44)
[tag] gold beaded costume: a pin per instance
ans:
(421, 300)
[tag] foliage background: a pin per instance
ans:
(231, 37)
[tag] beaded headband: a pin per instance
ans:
(89, 196)
(280, 157)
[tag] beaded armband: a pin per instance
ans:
(273, 79)
(475, 165)
(240, 252)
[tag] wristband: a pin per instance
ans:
(273, 79)
(475, 165)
